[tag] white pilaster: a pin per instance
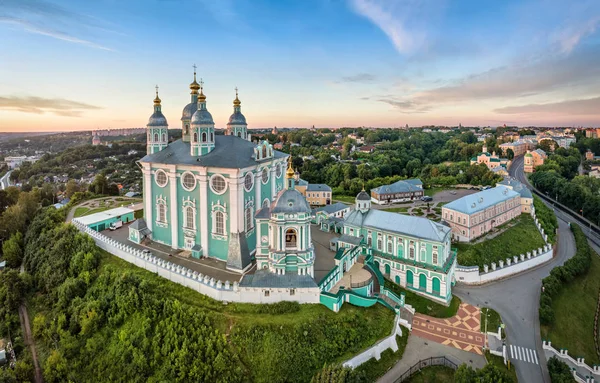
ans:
(257, 186)
(234, 192)
(273, 180)
(173, 203)
(147, 171)
(203, 211)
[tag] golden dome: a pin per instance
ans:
(290, 170)
(157, 99)
(194, 86)
(201, 97)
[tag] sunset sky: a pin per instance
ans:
(80, 65)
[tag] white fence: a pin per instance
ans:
(471, 275)
(594, 372)
(378, 348)
(204, 284)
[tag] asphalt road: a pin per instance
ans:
(4, 181)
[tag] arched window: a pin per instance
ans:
(219, 223)
(155, 137)
(189, 218)
(162, 213)
(435, 255)
(264, 151)
(265, 203)
(379, 243)
(164, 137)
(203, 137)
(390, 247)
(195, 137)
(411, 250)
(290, 238)
(239, 134)
(212, 137)
(249, 220)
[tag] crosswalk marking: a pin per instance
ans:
(524, 354)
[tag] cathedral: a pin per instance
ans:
(222, 196)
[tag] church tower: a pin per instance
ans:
(237, 122)
(363, 201)
(202, 128)
(189, 110)
(290, 175)
(157, 128)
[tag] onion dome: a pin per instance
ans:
(290, 201)
(237, 118)
(363, 196)
(157, 118)
(189, 111)
(202, 116)
(194, 86)
(290, 170)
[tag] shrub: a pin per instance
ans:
(559, 371)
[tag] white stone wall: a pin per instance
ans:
(472, 276)
(223, 291)
(378, 348)
(579, 362)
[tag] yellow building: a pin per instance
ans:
(315, 194)
(533, 159)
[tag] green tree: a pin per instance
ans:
(510, 154)
(559, 371)
(71, 188)
(56, 368)
(12, 249)
(465, 374)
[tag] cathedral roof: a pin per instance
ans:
(157, 119)
(178, 153)
(363, 196)
(202, 117)
(189, 111)
(290, 201)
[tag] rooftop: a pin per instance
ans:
(401, 186)
(473, 203)
(417, 227)
(516, 186)
(318, 187)
(330, 209)
(104, 215)
(266, 279)
(178, 152)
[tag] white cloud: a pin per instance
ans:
(569, 37)
(403, 21)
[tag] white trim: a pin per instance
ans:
(252, 177)
(156, 172)
(221, 208)
(183, 184)
(210, 182)
(262, 179)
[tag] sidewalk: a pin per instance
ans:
(419, 348)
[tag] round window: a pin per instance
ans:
(218, 184)
(278, 170)
(161, 178)
(265, 176)
(188, 181)
(248, 181)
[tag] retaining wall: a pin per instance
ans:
(594, 372)
(378, 348)
(204, 284)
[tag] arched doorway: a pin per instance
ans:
(377, 265)
(422, 282)
(397, 279)
(435, 282)
(290, 238)
(387, 269)
(409, 278)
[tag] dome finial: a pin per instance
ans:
(237, 101)
(157, 99)
(194, 85)
(290, 170)
(202, 97)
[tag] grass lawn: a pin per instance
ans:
(344, 198)
(423, 305)
(374, 369)
(493, 320)
(518, 239)
(433, 374)
(498, 361)
(574, 310)
(82, 211)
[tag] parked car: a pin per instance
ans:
(453, 192)
(486, 187)
(426, 198)
(115, 225)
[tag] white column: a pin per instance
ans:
(273, 183)
(234, 222)
(257, 185)
(173, 205)
(204, 210)
(148, 195)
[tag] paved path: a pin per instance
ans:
(29, 341)
(419, 348)
(461, 331)
(5, 181)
